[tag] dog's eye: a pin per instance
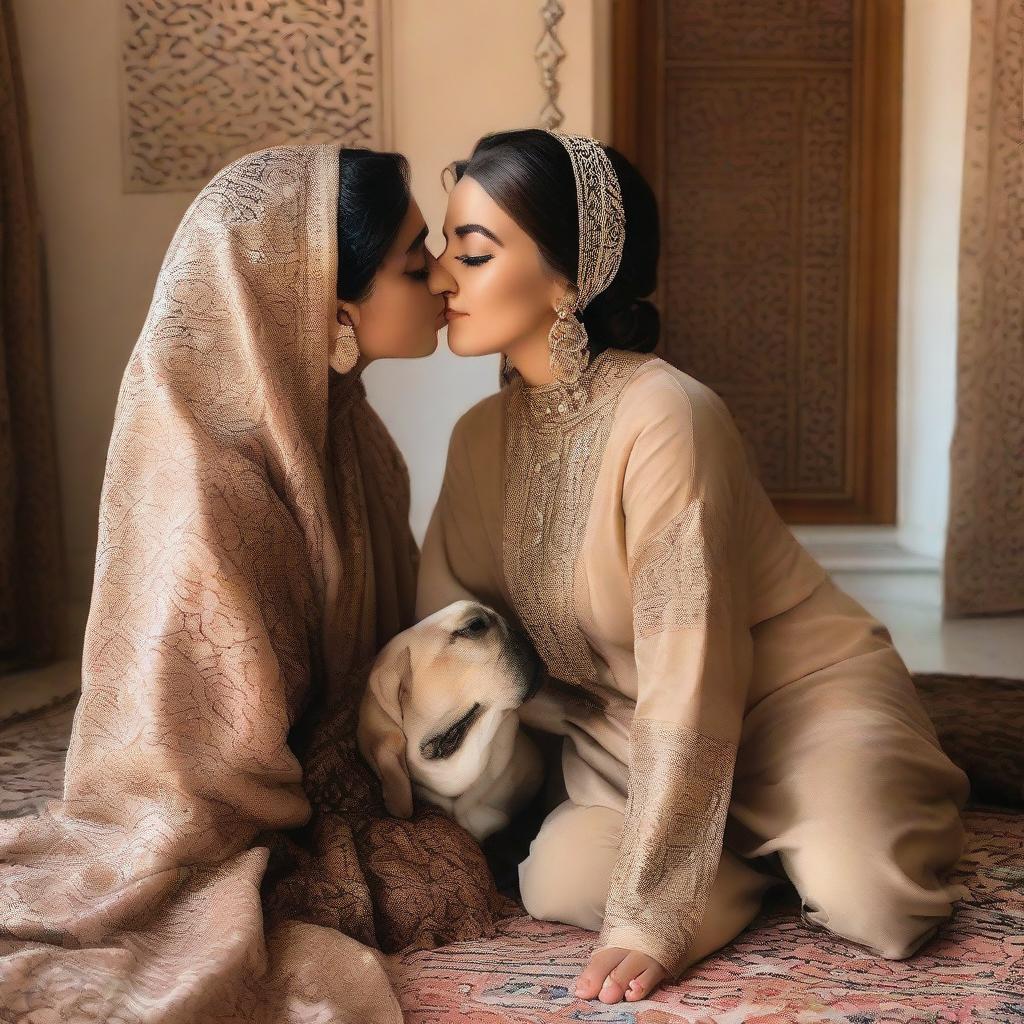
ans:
(475, 627)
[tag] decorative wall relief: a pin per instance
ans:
(549, 53)
(984, 558)
(770, 130)
(204, 81)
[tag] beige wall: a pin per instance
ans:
(936, 51)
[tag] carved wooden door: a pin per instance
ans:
(770, 131)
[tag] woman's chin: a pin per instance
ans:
(425, 348)
(459, 347)
(407, 350)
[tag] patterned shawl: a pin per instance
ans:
(221, 852)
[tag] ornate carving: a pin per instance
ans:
(549, 53)
(205, 83)
(755, 280)
(783, 29)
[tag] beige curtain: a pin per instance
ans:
(31, 557)
(984, 566)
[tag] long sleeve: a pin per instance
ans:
(681, 489)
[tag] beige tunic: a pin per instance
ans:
(624, 526)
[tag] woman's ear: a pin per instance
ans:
(379, 735)
(561, 293)
(348, 313)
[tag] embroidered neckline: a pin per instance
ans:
(551, 465)
(557, 405)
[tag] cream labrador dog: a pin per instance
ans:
(441, 716)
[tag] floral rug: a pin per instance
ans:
(778, 971)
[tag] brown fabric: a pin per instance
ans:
(254, 551)
(984, 563)
(32, 570)
(980, 722)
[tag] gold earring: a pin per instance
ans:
(568, 354)
(344, 349)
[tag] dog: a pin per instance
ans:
(441, 717)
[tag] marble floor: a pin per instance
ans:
(910, 604)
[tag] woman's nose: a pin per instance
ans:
(439, 280)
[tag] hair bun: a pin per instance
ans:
(613, 321)
(646, 326)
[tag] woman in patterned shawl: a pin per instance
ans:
(757, 722)
(222, 852)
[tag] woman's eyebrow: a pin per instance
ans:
(418, 240)
(467, 229)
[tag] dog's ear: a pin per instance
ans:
(379, 735)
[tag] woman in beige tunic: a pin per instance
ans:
(605, 499)
(221, 853)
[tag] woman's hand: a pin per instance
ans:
(627, 972)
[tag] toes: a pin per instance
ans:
(641, 986)
(589, 983)
(636, 989)
(611, 991)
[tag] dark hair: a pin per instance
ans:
(529, 174)
(373, 198)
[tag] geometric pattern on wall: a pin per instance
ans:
(755, 286)
(205, 81)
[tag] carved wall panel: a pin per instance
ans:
(771, 136)
(204, 81)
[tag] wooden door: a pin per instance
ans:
(770, 131)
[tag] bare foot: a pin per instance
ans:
(614, 972)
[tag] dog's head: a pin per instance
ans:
(437, 693)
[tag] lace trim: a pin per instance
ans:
(679, 575)
(602, 217)
(680, 782)
(549, 476)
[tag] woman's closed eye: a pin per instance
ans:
(475, 261)
(420, 273)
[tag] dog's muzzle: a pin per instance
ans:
(522, 659)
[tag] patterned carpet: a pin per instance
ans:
(779, 971)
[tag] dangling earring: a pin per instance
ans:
(344, 350)
(568, 354)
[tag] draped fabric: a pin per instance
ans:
(32, 570)
(221, 852)
(984, 562)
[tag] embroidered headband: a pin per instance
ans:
(602, 217)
